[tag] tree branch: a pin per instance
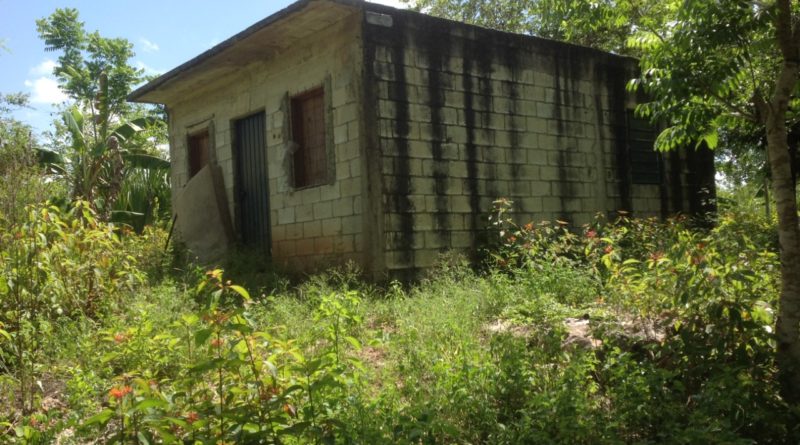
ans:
(743, 113)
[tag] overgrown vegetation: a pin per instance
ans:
(624, 331)
(628, 331)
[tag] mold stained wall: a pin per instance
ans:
(466, 116)
(310, 227)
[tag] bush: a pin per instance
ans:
(230, 381)
(54, 265)
(22, 180)
(710, 294)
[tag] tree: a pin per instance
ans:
(721, 65)
(84, 56)
(21, 176)
(103, 165)
(97, 164)
(602, 24)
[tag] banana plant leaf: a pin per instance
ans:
(128, 129)
(51, 160)
(145, 161)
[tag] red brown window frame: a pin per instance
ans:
(198, 150)
(309, 134)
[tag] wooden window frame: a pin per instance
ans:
(190, 150)
(296, 153)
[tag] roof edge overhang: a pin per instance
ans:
(140, 94)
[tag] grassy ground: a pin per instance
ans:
(635, 333)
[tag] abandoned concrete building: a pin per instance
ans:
(341, 130)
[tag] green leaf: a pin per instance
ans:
(241, 291)
(109, 356)
(207, 365)
(190, 319)
(142, 438)
(711, 139)
(49, 157)
(296, 429)
(125, 131)
(179, 422)
(145, 161)
(251, 428)
(150, 403)
(100, 418)
(354, 341)
(165, 435)
(202, 335)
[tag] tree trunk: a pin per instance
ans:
(788, 322)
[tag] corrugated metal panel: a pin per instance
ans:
(252, 181)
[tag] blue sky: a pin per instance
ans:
(165, 33)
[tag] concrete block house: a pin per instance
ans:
(346, 130)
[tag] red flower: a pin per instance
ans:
(591, 234)
(120, 392)
(528, 227)
(512, 239)
(120, 337)
(192, 417)
(608, 249)
(217, 342)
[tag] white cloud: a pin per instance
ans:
(43, 69)
(45, 90)
(43, 86)
(148, 46)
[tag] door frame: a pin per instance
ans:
(237, 174)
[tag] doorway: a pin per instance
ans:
(252, 182)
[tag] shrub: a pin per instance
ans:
(230, 381)
(52, 265)
(709, 295)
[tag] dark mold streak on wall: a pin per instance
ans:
(485, 48)
(560, 96)
(599, 85)
(402, 189)
(435, 47)
(468, 51)
(510, 57)
(616, 92)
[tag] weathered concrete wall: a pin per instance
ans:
(466, 115)
(312, 226)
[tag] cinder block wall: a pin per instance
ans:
(314, 226)
(466, 115)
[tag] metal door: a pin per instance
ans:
(252, 182)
